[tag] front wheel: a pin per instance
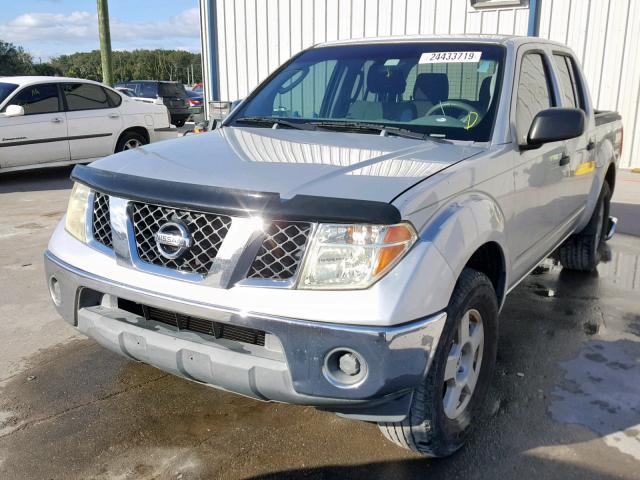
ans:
(448, 403)
(179, 123)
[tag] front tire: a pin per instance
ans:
(448, 403)
(180, 123)
(581, 252)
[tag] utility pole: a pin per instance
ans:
(105, 41)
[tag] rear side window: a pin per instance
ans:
(114, 98)
(85, 96)
(147, 90)
(534, 94)
(567, 89)
(38, 99)
(570, 85)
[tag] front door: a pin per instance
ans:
(38, 136)
(538, 173)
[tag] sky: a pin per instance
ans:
(47, 28)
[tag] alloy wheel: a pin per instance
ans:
(463, 364)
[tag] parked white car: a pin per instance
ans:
(54, 121)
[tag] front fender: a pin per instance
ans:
(463, 225)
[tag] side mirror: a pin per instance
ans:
(554, 125)
(14, 111)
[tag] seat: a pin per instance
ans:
(484, 94)
(387, 84)
(429, 89)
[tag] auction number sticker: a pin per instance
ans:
(450, 57)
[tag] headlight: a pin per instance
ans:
(354, 256)
(77, 212)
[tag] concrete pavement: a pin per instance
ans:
(564, 400)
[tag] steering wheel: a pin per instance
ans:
(452, 104)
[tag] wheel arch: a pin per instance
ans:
(470, 232)
(136, 129)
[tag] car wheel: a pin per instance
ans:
(448, 403)
(581, 252)
(129, 141)
(179, 123)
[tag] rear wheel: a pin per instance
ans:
(179, 123)
(129, 141)
(582, 251)
(447, 404)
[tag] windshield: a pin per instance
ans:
(445, 90)
(172, 90)
(5, 90)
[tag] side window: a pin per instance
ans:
(577, 84)
(147, 90)
(567, 87)
(114, 98)
(85, 96)
(37, 99)
(534, 93)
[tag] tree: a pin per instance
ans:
(14, 60)
(175, 65)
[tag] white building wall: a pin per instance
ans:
(605, 34)
(256, 36)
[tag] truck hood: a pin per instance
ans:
(292, 162)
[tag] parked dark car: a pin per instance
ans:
(173, 95)
(196, 102)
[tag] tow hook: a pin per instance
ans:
(611, 228)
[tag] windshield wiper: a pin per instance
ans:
(275, 121)
(371, 127)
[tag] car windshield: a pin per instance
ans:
(171, 90)
(446, 90)
(6, 89)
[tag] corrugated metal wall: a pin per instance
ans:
(256, 36)
(605, 34)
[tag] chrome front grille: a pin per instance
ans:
(278, 258)
(281, 251)
(101, 220)
(207, 232)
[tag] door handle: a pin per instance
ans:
(56, 120)
(113, 115)
(591, 145)
(564, 160)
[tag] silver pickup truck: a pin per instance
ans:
(347, 237)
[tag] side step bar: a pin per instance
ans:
(611, 228)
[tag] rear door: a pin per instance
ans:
(94, 122)
(580, 170)
(40, 135)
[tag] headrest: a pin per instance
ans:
(431, 86)
(385, 80)
(484, 95)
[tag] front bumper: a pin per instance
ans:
(292, 370)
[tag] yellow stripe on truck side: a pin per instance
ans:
(585, 168)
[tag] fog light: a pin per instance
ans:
(344, 368)
(55, 291)
(349, 364)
